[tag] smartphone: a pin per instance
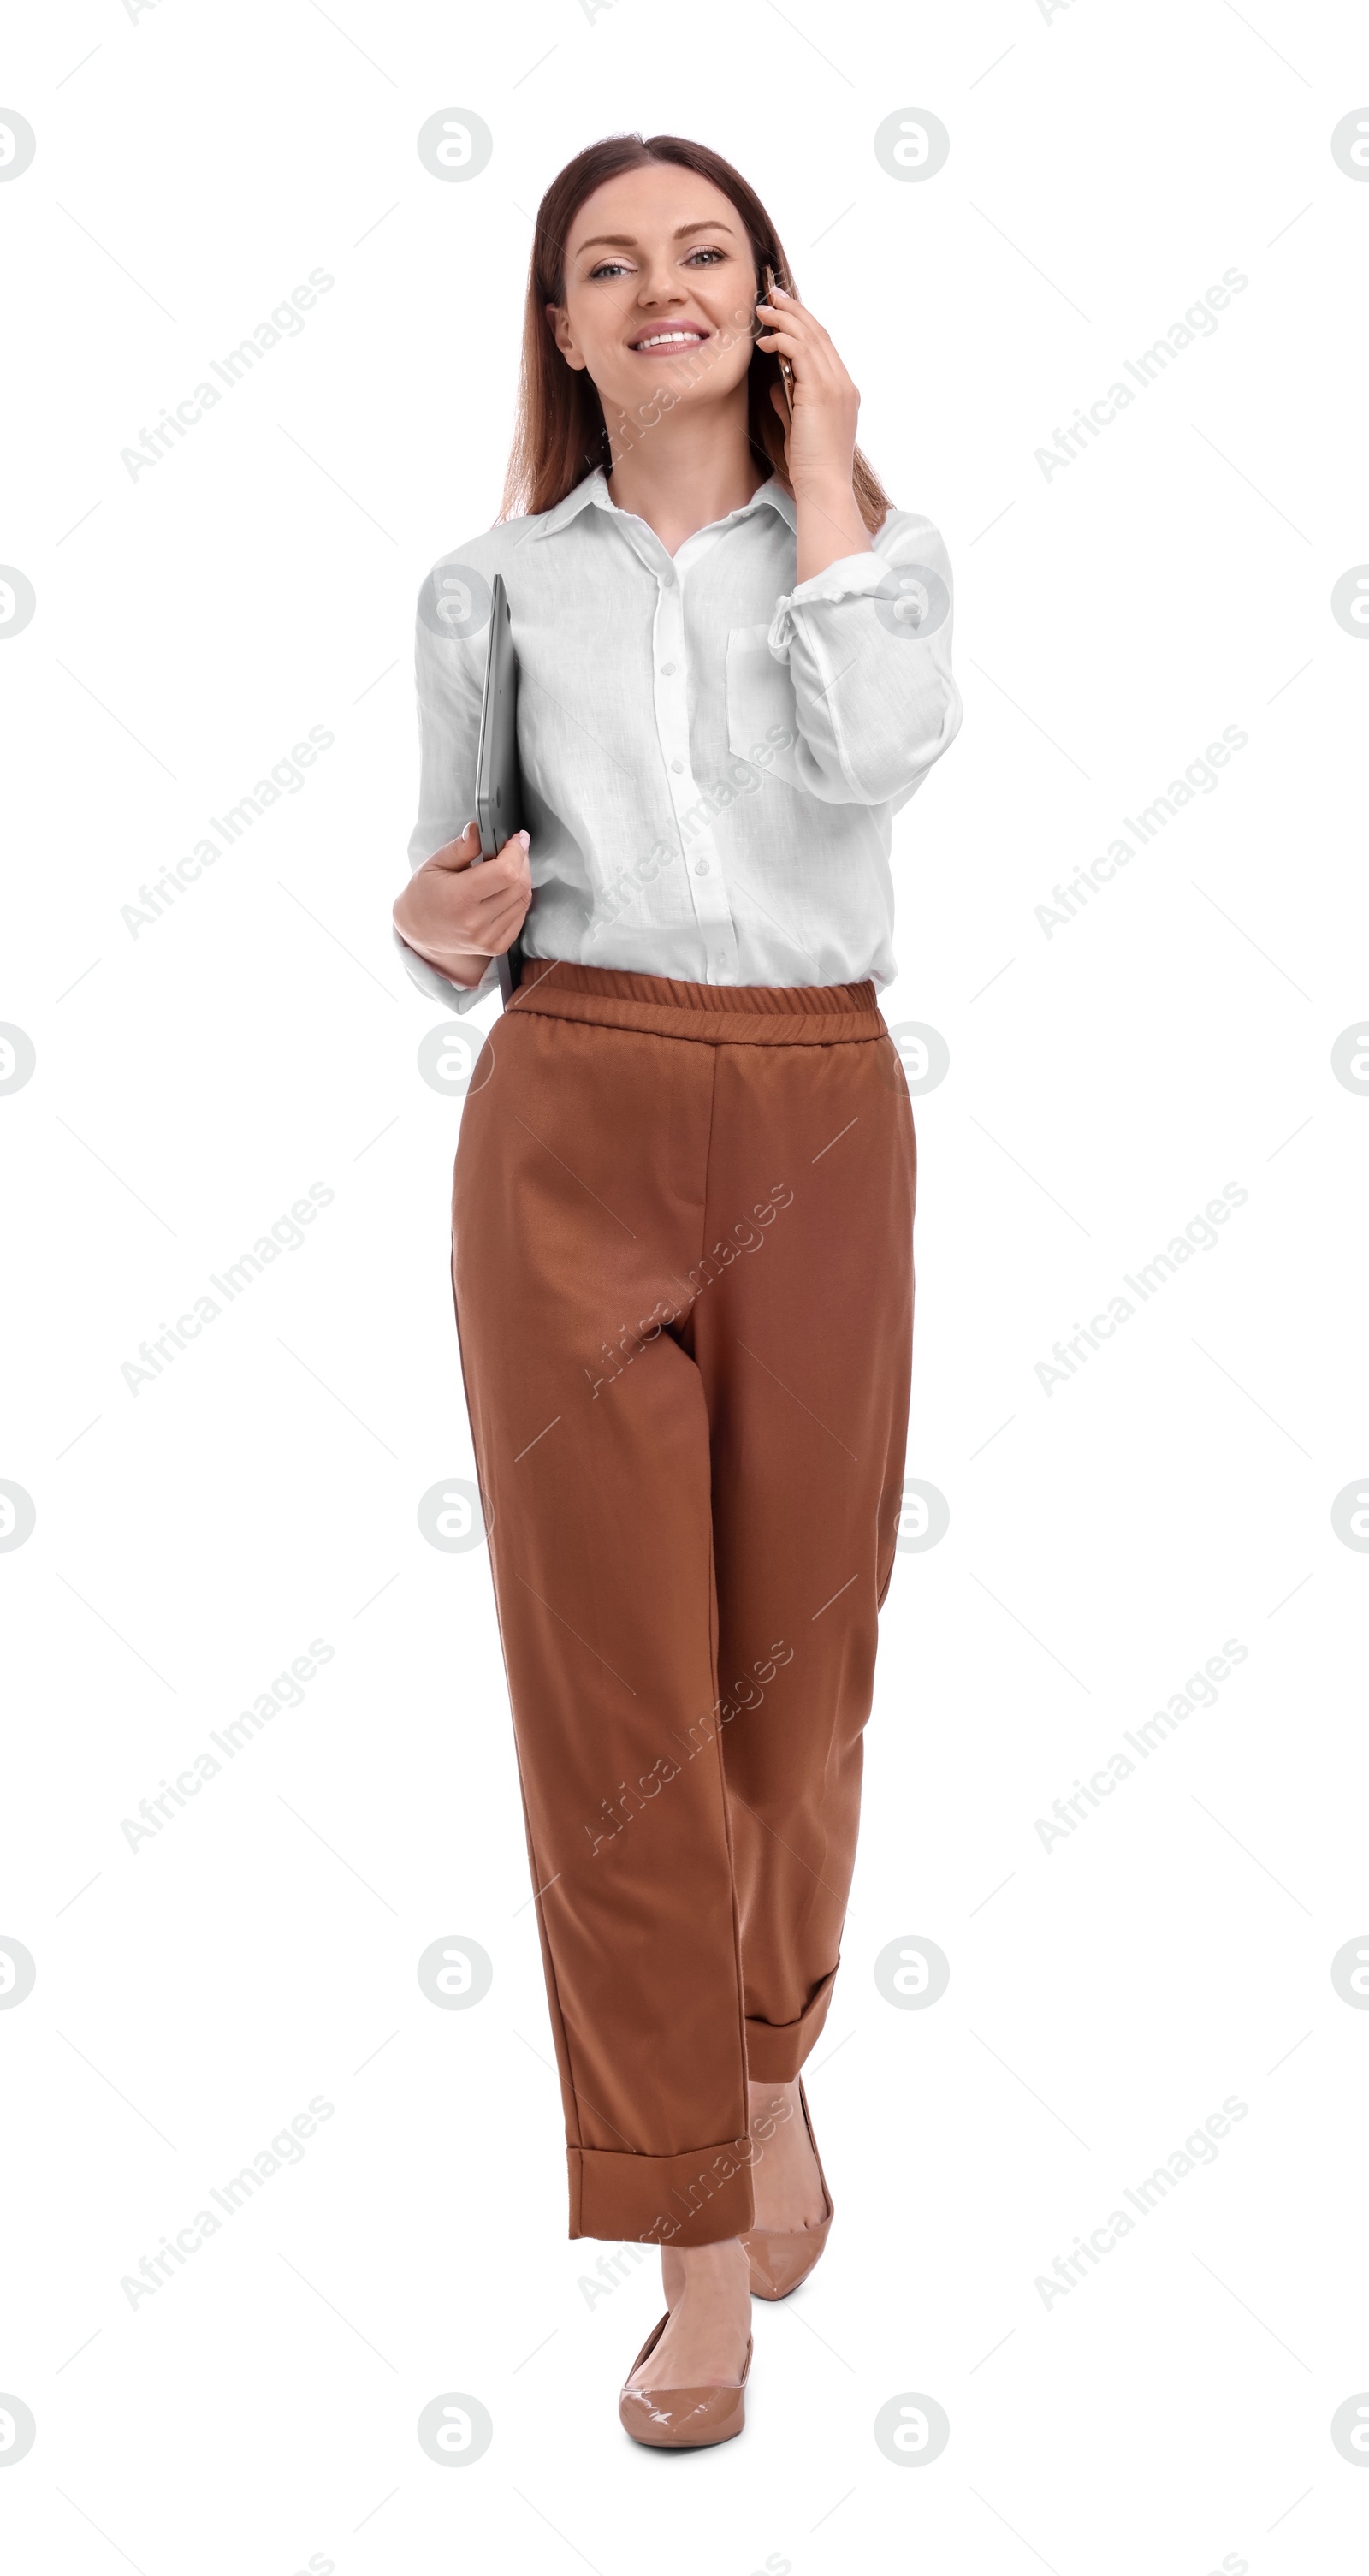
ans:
(786, 371)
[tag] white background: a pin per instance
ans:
(1173, 2410)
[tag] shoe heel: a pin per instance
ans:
(781, 2258)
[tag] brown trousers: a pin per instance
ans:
(682, 1258)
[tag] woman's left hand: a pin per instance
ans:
(820, 441)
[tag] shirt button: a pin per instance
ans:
(677, 765)
(701, 867)
(668, 670)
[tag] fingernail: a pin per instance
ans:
(523, 837)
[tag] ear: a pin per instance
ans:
(561, 334)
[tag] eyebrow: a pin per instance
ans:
(628, 241)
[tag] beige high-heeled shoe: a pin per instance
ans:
(682, 2419)
(782, 2257)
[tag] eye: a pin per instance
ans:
(609, 268)
(703, 253)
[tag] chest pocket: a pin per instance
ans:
(762, 716)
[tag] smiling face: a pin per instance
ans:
(660, 288)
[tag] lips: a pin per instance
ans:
(670, 339)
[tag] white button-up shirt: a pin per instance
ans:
(712, 755)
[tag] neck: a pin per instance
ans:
(681, 473)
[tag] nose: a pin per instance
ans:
(659, 284)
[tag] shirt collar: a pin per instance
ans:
(594, 489)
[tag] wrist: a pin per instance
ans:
(833, 492)
(460, 966)
(828, 526)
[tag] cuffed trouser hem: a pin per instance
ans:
(694, 2199)
(775, 2051)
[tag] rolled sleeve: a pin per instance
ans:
(867, 642)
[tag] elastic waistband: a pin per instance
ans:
(712, 1014)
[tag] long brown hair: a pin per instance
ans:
(560, 432)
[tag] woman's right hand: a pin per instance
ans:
(459, 916)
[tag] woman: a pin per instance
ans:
(684, 1193)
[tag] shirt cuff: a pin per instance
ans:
(850, 577)
(431, 980)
